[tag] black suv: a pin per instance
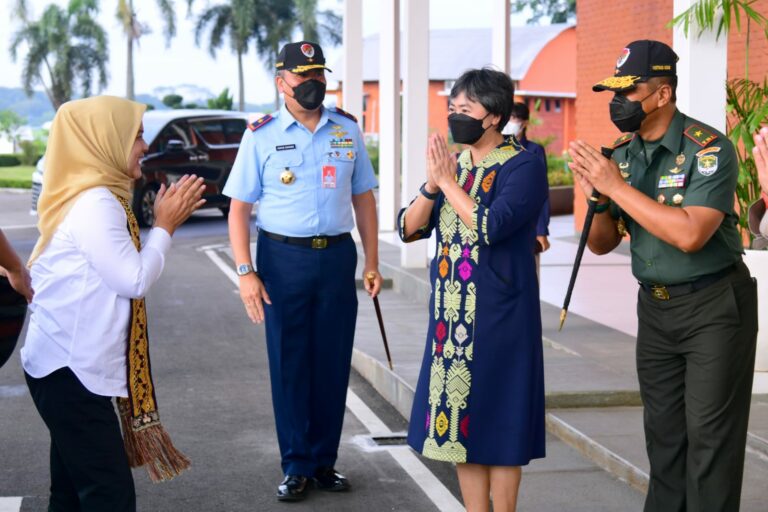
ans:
(201, 142)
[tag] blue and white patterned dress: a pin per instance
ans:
(480, 393)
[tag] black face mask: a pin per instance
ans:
(628, 115)
(466, 129)
(309, 94)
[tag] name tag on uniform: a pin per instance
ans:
(329, 176)
(285, 147)
(672, 181)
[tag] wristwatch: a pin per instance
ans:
(423, 190)
(244, 269)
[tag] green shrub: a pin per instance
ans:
(373, 154)
(558, 173)
(31, 151)
(9, 161)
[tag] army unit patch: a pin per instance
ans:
(707, 165)
(707, 151)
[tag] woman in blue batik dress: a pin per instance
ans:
(479, 400)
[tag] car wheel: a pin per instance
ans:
(144, 206)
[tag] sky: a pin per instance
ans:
(157, 65)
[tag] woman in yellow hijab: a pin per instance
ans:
(87, 338)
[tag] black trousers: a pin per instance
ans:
(89, 468)
(695, 363)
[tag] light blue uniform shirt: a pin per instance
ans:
(306, 207)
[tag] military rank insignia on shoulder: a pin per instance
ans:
(255, 125)
(699, 135)
(345, 114)
(624, 139)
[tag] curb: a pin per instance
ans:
(599, 454)
(400, 394)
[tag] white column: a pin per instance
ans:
(415, 114)
(389, 114)
(352, 79)
(500, 33)
(701, 72)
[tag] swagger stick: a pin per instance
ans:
(593, 199)
(370, 276)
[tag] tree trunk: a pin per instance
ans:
(129, 91)
(241, 80)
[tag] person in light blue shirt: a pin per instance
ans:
(308, 169)
(327, 167)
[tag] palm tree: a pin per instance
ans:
(273, 26)
(134, 29)
(67, 50)
(320, 26)
(234, 18)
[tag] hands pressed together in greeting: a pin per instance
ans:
(760, 152)
(592, 170)
(441, 164)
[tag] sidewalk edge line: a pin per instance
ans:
(393, 388)
(10, 503)
(437, 493)
(606, 459)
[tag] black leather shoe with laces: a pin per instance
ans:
(292, 488)
(328, 479)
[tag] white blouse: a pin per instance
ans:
(83, 284)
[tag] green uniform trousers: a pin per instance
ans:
(695, 363)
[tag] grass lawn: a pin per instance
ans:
(16, 177)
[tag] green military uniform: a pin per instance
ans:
(692, 165)
(697, 326)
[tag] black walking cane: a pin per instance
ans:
(593, 199)
(370, 276)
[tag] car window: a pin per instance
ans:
(174, 131)
(216, 132)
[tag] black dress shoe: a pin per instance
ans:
(328, 479)
(292, 488)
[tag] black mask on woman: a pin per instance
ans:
(626, 114)
(466, 129)
(310, 94)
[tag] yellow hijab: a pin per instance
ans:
(89, 145)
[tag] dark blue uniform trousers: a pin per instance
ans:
(310, 331)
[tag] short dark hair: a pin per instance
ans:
(671, 81)
(493, 89)
(520, 111)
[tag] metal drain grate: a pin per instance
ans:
(393, 440)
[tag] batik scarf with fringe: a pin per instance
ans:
(146, 441)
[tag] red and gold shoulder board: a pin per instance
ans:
(345, 114)
(255, 125)
(700, 135)
(624, 139)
